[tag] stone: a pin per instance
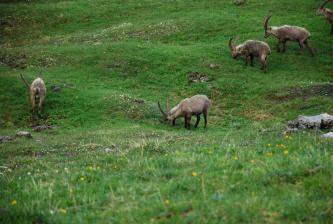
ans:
(198, 77)
(328, 135)
(213, 66)
(322, 121)
(23, 134)
(55, 88)
(239, 2)
(5, 139)
(110, 149)
(42, 128)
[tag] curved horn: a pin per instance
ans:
(230, 44)
(167, 105)
(266, 22)
(323, 4)
(159, 106)
(25, 81)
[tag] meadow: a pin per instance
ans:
(111, 158)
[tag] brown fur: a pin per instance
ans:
(196, 105)
(288, 33)
(327, 13)
(251, 49)
(37, 92)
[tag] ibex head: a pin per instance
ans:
(36, 92)
(268, 29)
(321, 9)
(167, 115)
(235, 51)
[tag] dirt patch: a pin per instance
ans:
(23, 60)
(297, 92)
(257, 114)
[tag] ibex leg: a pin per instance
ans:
(205, 113)
(197, 122)
(309, 47)
(284, 46)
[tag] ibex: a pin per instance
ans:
(37, 92)
(196, 105)
(327, 13)
(251, 49)
(288, 33)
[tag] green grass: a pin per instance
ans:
(107, 55)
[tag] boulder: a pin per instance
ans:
(322, 121)
(328, 135)
(23, 134)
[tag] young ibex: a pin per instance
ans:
(327, 13)
(37, 92)
(288, 33)
(196, 105)
(251, 49)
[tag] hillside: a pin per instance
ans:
(112, 159)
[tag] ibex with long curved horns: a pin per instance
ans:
(37, 92)
(327, 13)
(196, 105)
(288, 33)
(251, 49)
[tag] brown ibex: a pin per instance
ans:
(251, 49)
(288, 33)
(327, 13)
(37, 92)
(196, 105)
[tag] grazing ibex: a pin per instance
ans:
(288, 33)
(196, 105)
(251, 49)
(37, 92)
(327, 13)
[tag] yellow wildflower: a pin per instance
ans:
(13, 202)
(62, 210)
(167, 201)
(253, 161)
(269, 154)
(194, 174)
(90, 168)
(236, 158)
(269, 145)
(210, 152)
(285, 152)
(82, 178)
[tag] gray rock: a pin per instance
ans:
(55, 88)
(239, 2)
(198, 77)
(110, 149)
(291, 130)
(328, 135)
(5, 139)
(23, 134)
(322, 121)
(42, 128)
(213, 66)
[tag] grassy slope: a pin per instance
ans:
(111, 52)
